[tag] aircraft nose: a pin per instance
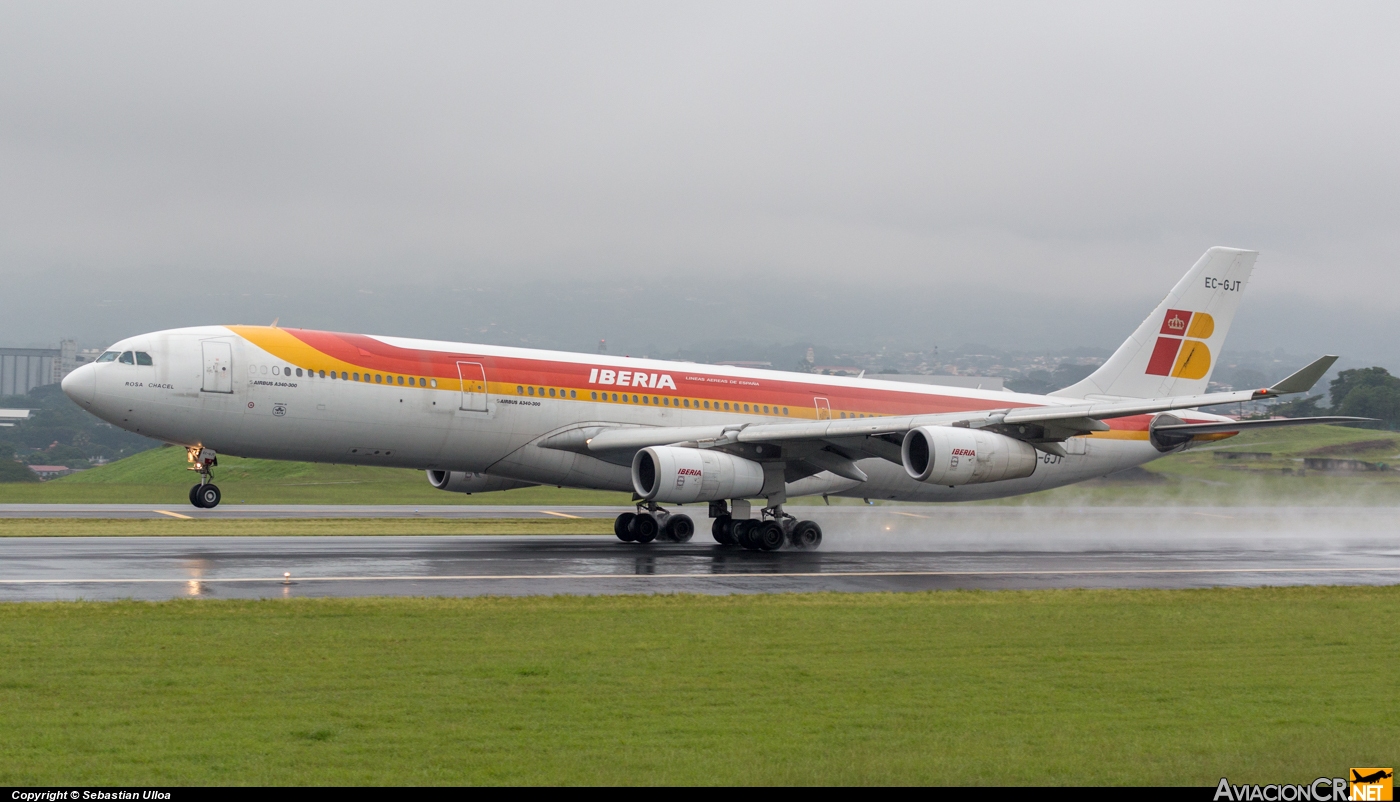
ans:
(81, 384)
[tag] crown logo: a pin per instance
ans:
(1176, 324)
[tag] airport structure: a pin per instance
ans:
(23, 369)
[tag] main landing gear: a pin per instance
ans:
(651, 522)
(771, 531)
(204, 495)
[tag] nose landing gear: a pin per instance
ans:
(204, 495)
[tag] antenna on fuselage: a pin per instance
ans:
(274, 321)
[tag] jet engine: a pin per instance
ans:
(947, 455)
(680, 475)
(468, 482)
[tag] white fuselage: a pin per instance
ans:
(268, 393)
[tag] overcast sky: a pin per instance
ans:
(974, 162)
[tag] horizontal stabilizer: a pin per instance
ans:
(1241, 425)
(1303, 380)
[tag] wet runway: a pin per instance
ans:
(888, 548)
(245, 511)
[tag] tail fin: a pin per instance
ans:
(1172, 352)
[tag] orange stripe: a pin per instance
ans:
(514, 376)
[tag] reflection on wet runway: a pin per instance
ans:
(866, 549)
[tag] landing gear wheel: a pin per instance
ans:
(680, 528)
(208, 496)
(742, 530)
(806, 535)
(723, 531)
(622, 527)
(644, 528)
(194, 496)
(768, 536)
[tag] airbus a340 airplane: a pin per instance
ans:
(480, 418)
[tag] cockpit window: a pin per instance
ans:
(126, 358)
(107, 357)
(143, 358)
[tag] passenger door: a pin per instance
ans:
(473, 377)
(823, 409)
(218, 367)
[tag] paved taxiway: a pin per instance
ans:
(887, 548)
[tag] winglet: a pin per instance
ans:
(1303, 380)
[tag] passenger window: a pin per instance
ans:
(541, 391)
(594, 395)
(287, 371)
(765, 409)
(551, 392)
(785, 410)
(432, 382)
(573, 393)
(532, 391)
(143, 358)
(400, 380)
(378, 379)
(843, 414)
(665, 402)
(646, 400)
(126, 358)
(262, 369)
(746, 407)
(519, 390)
(655, 400)
(707, 405)
(321, 374)
(726, 406)
(109, 356)
(298, 371)
(276, 370)
(356, 375)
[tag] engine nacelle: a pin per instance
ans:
(947, 455)
(467, 482)
(681, 475)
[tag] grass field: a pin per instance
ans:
(1084, 687)
(299, 527)
(1194, 477)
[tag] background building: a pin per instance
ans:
(23, 369)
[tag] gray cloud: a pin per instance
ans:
(1081, 154)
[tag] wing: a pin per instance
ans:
(834, 445)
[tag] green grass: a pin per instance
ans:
(1193, 477)
(159, 476)
(1045, 687)
(301, 527)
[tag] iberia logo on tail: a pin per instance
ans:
(1180, 352)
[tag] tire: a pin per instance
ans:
(806, 535)
(741, 530)
(194, 497)
(209, 496)
(768, 536)
(680, 528)
(723, 531)
(644, 528)
(622, 527)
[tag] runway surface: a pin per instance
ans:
(888, 548)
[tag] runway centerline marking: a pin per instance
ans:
(174, 514)
(753, 575)
(561, 514)
(910, 515)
